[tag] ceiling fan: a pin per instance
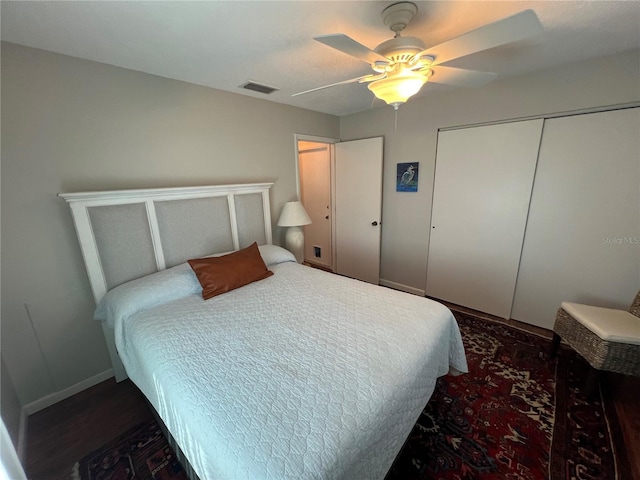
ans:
(403, 65)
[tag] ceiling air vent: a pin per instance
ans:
(257, 87)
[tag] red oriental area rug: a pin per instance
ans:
(517, 414)
(141, 453)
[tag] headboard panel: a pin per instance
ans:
(123, 242)
(194, 228)
(126, 234)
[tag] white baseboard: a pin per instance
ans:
(44, 402)
(404, 288)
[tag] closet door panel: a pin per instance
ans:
(583, 235)
(483, 182)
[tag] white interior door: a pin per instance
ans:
(483, 182)
(358, 208)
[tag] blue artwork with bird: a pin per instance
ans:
(407, 177)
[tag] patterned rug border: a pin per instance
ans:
(565, 355)
(621, 459)
(139, 453)
(620, 455)
(578, 416)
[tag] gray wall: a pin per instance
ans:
(73, 125)
(9, 404)
(407, 216)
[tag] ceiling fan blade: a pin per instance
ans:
(460, 77)
(511, 29)
(363, 79)
(349, 46)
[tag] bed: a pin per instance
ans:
(303, 374)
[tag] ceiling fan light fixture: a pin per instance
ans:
(402, 65)
(397, 89)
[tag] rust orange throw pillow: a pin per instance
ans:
(219, 275)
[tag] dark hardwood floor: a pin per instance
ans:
(624, 392)
(62, 434)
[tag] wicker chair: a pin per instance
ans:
(608, 339)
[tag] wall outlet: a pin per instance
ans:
(317, 251)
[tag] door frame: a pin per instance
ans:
(332, 166)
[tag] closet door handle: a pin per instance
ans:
(374, 223)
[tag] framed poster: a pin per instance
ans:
(407, 177)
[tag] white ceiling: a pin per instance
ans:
(223, 44)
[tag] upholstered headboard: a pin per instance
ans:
(126, 234)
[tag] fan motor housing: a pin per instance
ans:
(400, 49)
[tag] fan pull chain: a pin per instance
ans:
(395, 124)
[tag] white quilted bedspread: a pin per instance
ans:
(303, 375)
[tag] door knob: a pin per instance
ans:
(374, 223)
(327, 217)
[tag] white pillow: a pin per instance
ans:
(140, 294)
(273, 254)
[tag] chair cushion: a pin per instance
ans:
(609, 324)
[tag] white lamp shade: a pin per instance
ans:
(293, 215)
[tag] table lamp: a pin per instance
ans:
(294, 215)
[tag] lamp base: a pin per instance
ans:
(294, 240)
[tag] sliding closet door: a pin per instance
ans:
(583, 235)
(483, 182)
